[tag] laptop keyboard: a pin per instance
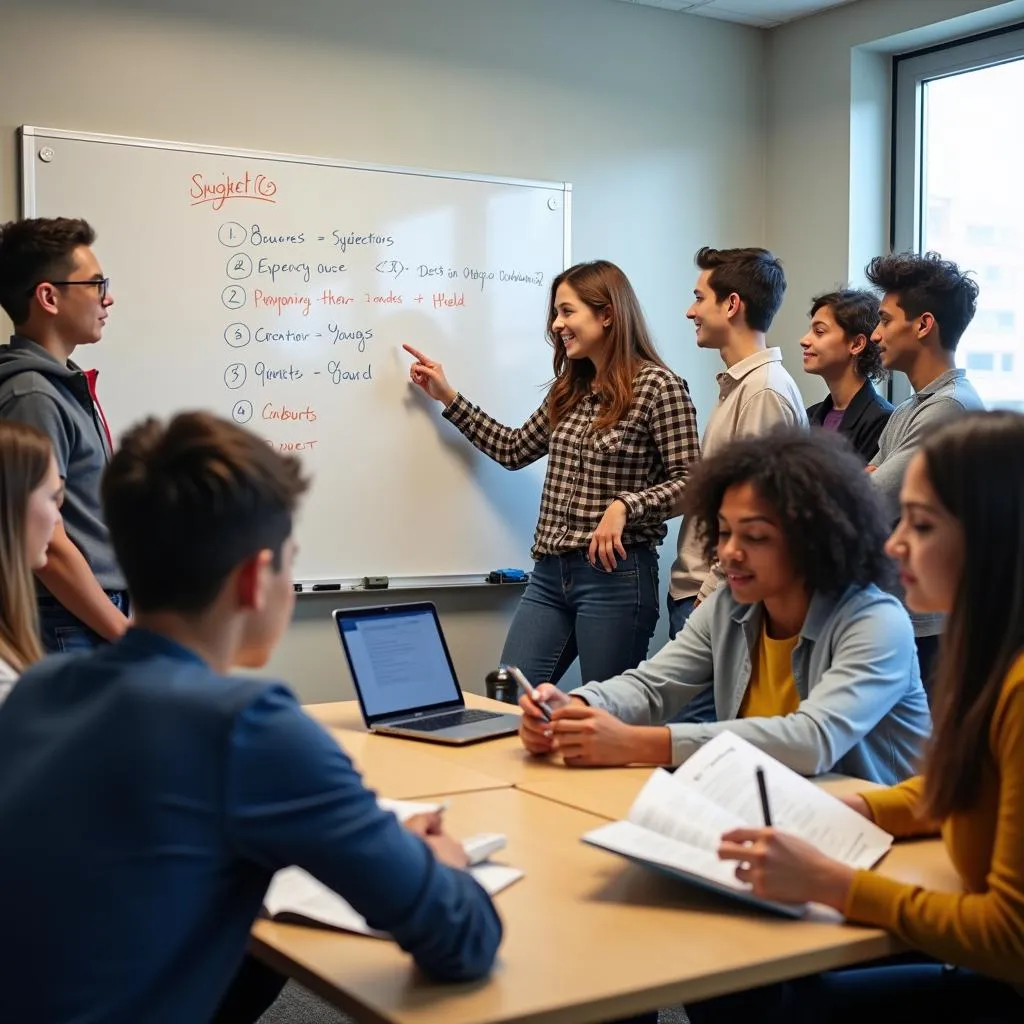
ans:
(454, 718)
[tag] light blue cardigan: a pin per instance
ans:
(862, 712)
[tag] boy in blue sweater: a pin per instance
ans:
(147, 796)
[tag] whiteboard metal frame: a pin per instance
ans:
(326, 586)
(29, 132)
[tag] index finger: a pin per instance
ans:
(426, 823)
(575, 711)
(744, 835)
(548, 692)
(738, 851)
(529, 707)
(416, 353)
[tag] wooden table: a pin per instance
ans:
(502, 758)
(610, 792)
(407, 770)
(606, 792)
(588, 937)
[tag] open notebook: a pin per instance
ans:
(296, 897)
(676, 823)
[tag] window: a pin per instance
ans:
(993, 321)
(981, 234)
(956, 175)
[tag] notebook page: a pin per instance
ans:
(403, 810)
(295, 892)
(723, 770)
(675, 810)
(639, 843)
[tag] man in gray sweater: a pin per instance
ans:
(927, 305)
(54, 290)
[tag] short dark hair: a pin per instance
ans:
(855, 310)
(928, 284)
(186, 503)
(755, 275)
(831, 515)
(32, 251)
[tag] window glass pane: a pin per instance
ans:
(973, 213)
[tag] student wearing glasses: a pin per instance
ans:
(52, 288)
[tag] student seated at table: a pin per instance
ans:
(147, 796)
(31, 491)
(961, 531)
(807, 657)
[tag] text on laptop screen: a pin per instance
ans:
(398, 661)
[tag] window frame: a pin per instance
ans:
(910, 74)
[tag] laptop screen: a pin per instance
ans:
(398, 660)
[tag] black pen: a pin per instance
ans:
(763, 790)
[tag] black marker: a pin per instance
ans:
(763, 790)
(327, 586)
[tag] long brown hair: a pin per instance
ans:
(976, 468)
(24, 461)
(602, 286)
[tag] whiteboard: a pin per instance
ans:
(278, 290)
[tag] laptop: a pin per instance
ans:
(405, 680)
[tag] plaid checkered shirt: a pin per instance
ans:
(642, 460)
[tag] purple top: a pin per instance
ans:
(833, 418)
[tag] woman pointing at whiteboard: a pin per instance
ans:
(620, 432)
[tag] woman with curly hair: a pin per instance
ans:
(808, 658)
(838, 348)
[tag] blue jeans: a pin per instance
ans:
(702, 707)
(884, 994)
(61, 631)
(570, 608)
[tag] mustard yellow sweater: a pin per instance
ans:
(983, 927)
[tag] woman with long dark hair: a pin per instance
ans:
(960, 548)
(621, 433)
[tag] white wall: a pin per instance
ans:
(656, 118)
(828, 122)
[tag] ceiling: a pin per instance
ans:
(760, 13)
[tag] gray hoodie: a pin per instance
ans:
(38, 389)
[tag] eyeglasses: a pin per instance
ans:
(102, 285)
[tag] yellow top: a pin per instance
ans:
(772, 689)
(981, 928)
